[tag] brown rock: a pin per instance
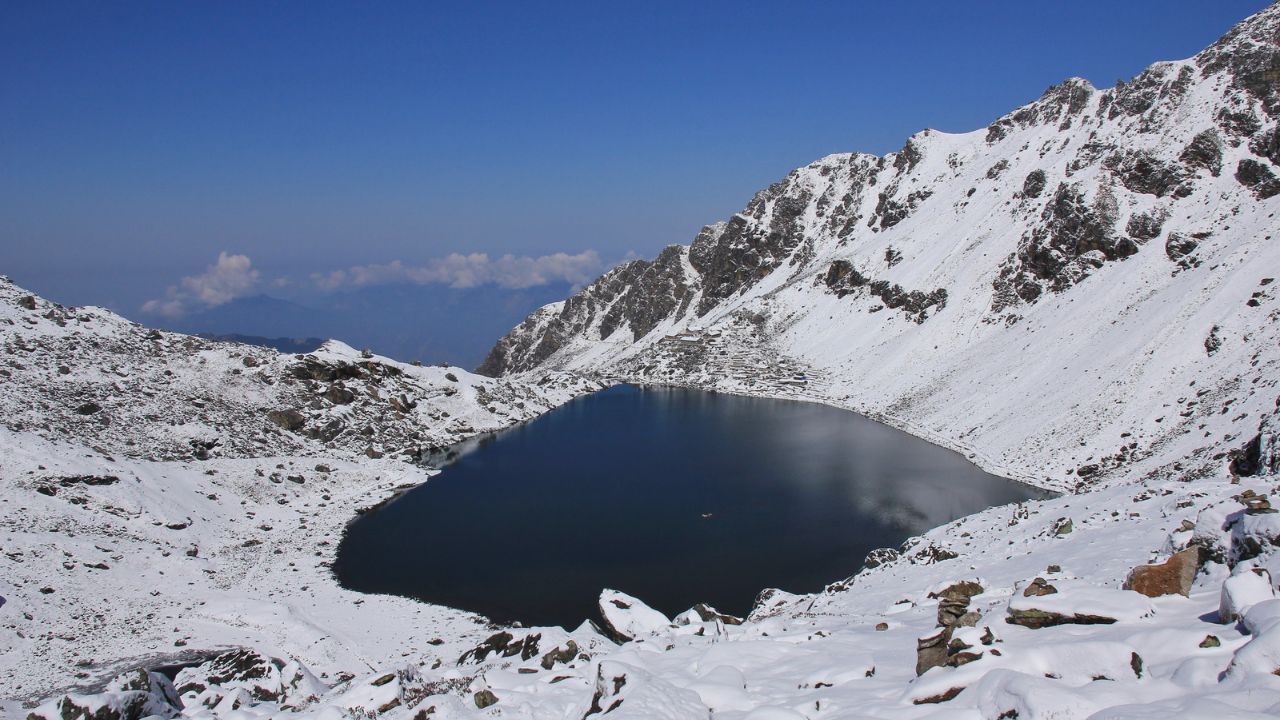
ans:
(1039, 587)
(931, 651)
(1173, 576)
(941, 698)
(1036, 619)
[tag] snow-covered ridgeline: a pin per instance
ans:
(164, 494)
(1092, 271)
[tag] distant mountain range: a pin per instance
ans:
(431, 323)
(285, 345)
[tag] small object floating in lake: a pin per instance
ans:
(706, 515)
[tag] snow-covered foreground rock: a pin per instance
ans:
(1081, 296)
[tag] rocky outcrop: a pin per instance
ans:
(1258, 177)
(1204, 152)
(1075, 236)
(843, 279)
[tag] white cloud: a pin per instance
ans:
(465, 271)
(232, 276)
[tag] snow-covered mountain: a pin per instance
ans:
(1082, 286)
(1081, 296)
(161, 493)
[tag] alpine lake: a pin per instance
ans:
(675, 496)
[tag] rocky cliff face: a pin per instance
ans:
(1091, 239)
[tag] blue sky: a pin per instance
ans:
(139, 140)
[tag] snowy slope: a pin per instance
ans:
(164, 493)
(1005, 292)
(1042, 292)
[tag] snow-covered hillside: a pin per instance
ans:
(1085, 284)
(163, 494)
(1081, 296)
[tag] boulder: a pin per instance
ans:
(485, 698)
(1246, 587)
(338, 394)
(1076, 603)
(1173, 576)
(953, 604)
(878, 557)
(504, 644)
(560, 655)
(288, 419)
(1258, 177)
(1034, 184)
(931, 650)
(132, 695)
(626, 618)
(1039, 588)
(703, 612)
(254, 675)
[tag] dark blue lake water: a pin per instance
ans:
(674, 496)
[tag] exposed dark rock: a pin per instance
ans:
(1034, 184)
(1142, 172)
(710, 614)
(1250, 57)
(934, 554)
(1267, 145)
(843, 279)
(953, 605)
(93, 480)
(288, 419)
(1179, 248)
(1038, 587)
(338, 394)
(560, 655)
(1074, 238)
(1204, 151)
(1212, 341)
(239, 666)
(1036, 619)
(1246, 461)
(88, 408)
(890, 211)
(1258, 177)
(879, 556)
(1146, 226)
(1242, 123)
(909, 156)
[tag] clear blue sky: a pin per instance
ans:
(138, 140)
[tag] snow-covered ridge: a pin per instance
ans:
(1081, 286)
(164, 494)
